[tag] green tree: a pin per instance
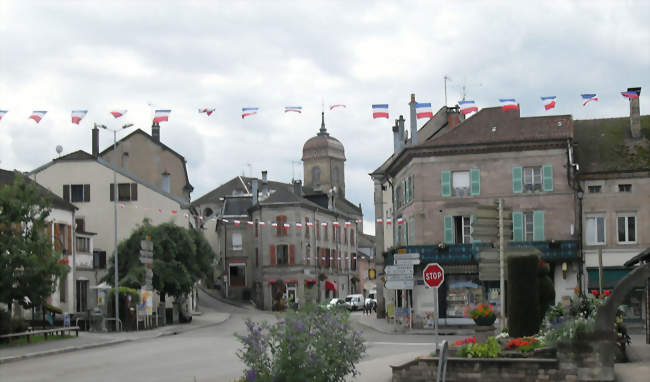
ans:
(28, 268)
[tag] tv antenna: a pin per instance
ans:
(59, 150)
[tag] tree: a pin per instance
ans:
(28, 268)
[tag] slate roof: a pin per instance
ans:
(236, 185)
(237, 206)
(7, 178)
(606, 145)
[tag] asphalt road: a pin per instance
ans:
(207, 354)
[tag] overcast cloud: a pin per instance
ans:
(99, 55)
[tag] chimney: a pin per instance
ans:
(254, 191)
(297, 187)
(402, 133)
(453, 117)
(265, 184)
(155, 132)
(95, 142)
(396, 137)
(414, 121)
(635, 114)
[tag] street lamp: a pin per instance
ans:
(117, 291)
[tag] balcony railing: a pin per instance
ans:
(553, 251)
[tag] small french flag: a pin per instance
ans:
(117, 113)
(225, 220)
(380, 221)
(287, 225)
(348, 224)
(423, 110)
(588, 98)
(400, 221)
(389, 221)
(509, 104)
(295, 109)
(78, 115)
(274, 225)
(262, 224)
(630, 94)
(467, 107)
(236, 222)
(549, 102)
(247, 111)
(37, 115)
(310, 224)
(332, 107)
(206, 111)
(380, 111)
(161, 116)
(298, 225)
(2, 114)
(323, 224)
(358, 221)
(335, 224)
(250, 222)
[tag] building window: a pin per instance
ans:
(165, 181)
(460, 183)
(280, 230)
(99, 259)
(532, 179)
(236, 241)
(82, 295)
(327, 257)
(624, 188)
(79, 225)
(283, 254)
(82, 244)
(315, 176)
(352, 237)
(595, 230)
(398, 196)
(62, 238)
(626, 228)
(237, 275)
(317, 229)
(462, 230)
(353, 261)
(76, 193)
(125, 192)
(63, 290)
(326, 230)
(411, 230)
(594, 189)
(528, 226)
(306, 227)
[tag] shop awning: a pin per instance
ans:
(330, 285)
(310, 281)
(273, 281)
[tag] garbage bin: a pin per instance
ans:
(97, 320)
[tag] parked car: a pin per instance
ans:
(354, 301)
(336, 303)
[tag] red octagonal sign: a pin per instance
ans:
(433, 275)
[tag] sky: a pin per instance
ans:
(145, 55)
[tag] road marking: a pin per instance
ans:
(400, 343)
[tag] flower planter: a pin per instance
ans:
(485, 320)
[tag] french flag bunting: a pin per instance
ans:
(348, 224)
(630, 94)
(467, 106)
(248, 111)
(509, 104)
(78, 115)
(423, 110)
(2, 114)
(250, 222)
(389, 221)
(287, 225)
(400, 221)
(161, 116)
(225, 220)
(380, 221)
(323, 224)
(117, 113)
(262, 224)
(335, 224)
(588, 98)
(274, 225)
(332, 107)
(37, 115)
(358, 221)
(295, 109)
(206, 111)
(310, 224)
(298, 225)
(380, 111)
(236, 222)
(549, 102)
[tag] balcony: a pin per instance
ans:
(554, 251)
(451, 254)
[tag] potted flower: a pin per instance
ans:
(483, 315)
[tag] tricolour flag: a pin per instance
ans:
(310, 224)
(2, 114)
(323, 224)
(400, 221)
(161, 116)
(423, 110)
(509, 104)
(37, 115)
(389, 221)
(225, 220)
(588, 98)
(118, 113)
(332, 107)
(262, 224)
(286, 225)
(78, 115)
(467, 106)
(335, 224)
(379, 221)
(246, 111)
(380, 111)
(236, 222)
(630, 94)
(206, 111)
(295, 109)
(298, 225)
(549, 102)
(348, 224)
(250, 222)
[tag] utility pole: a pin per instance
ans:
(502, 286)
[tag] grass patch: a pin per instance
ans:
(33, 340)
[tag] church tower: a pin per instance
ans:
(323, 158)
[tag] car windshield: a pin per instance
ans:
(334, 301)
(348, 299)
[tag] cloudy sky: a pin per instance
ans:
(141, 55)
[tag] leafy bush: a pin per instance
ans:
(490, 349)
(18, 325)
(311, 345)
(5, 322)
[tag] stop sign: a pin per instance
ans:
(433, 275)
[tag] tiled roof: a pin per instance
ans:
(236, 185)
(77, 155)
(237, 206)
(7, 178)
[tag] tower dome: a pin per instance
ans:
(323, 158)
(323, 145)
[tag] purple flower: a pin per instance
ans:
(250, 375)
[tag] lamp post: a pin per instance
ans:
(117, 291)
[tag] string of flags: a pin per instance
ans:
(423, 110)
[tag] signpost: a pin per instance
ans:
(433, 276)
(146, 294)
(400, 276)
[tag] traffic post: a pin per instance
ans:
(433, 276)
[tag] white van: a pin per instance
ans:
(354, 301)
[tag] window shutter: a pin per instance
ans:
(538, 225)
(517, 180)
(475, 180)
(547, 173)
(292, 254)
(134, 191)
(445, 177)
(111, 191)
(69, 251)
(86, 192)
(322, 257)
(412, 187)
(272, 255)
(449, 229)
(66, 192)
(471, 229)
(517, 226)
(278, 227)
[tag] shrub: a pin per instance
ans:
(569, 331)
(310, 345)
(523, 296)
(18, 325)
(5, 322)
(490, 349)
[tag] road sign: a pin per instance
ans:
(398, 270)
(404, 256)
(399, 285)
(433, 275)
(400, 277)
(485, 224)
(407, 262)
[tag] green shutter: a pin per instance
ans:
(406, 190)
(471, 230)
(475, 181)
(547, 172)
(538, 225)
(449, 229)
(517, 180)
(517, 226)
(445, 177)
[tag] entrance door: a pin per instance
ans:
(82, 296)
(291, 295)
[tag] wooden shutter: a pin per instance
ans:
(292, 254)
(322, 257)
(66, 192)
(445, 178)
(69, 251)
(547, 173)
(317, 227)
(111, 192)
(278, 228)
(475, 181)
(134, 191)
(517, 180)
(345, 235)
(86, 192)
(538, 225)
(272, 256)
(517, 226)
(57, 235)
(449, 229)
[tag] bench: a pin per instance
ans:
(45, 332)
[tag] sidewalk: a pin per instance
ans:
(89, 340)
(638, 367)
(448, 326)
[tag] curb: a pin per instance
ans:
(225, 300)
(441, 331)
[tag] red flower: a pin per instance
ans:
(607, 293)
(594, 292)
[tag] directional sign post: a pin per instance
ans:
(434, 276)
(146, 258)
